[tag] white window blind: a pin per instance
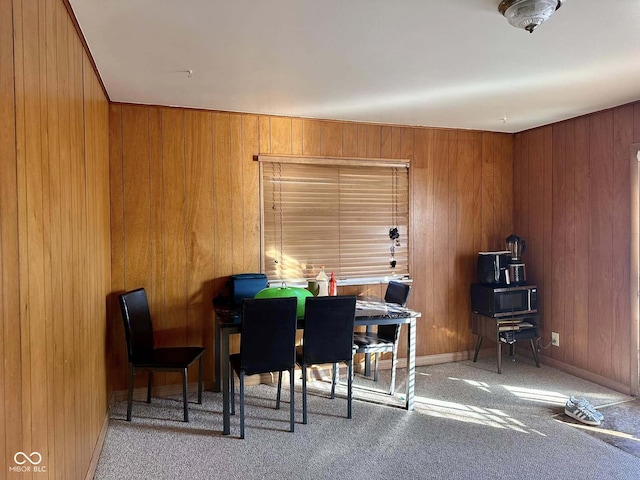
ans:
(336, 213)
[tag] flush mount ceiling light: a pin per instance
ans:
(528, 14)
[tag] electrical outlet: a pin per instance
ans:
(555, 339)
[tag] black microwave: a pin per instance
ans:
(504, 301)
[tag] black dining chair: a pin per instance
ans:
(327, 338)
(387, 337)
(267, 344)
(143, 355)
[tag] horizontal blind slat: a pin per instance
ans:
(333, 216)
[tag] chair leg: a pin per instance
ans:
(130, 394)
(185, 405)
(149, 383)
(279, 389)
(334, 380)
(375, 371)
(232, 391)
(349, 387)
(200, 380)
(304, 393)
(292, 417)
(241, 404)
(478, 343)
(394, 365)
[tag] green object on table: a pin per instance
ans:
(284, 292)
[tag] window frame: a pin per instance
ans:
(347, 162)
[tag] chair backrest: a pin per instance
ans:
(328, 329)
(396, 293)
(137, 324)
(268, 342)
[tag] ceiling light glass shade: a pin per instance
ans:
(528, 14)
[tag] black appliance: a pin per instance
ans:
(493, 268)
(507, 301)
(517, 272)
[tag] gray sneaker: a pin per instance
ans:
(580, 412)
(583, 402)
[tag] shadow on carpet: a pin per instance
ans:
(620, 426)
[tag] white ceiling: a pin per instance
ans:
(440, 63)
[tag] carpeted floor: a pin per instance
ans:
(620, 427)
(469, 422)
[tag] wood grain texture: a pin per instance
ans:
(558, 254)
(600, 242)
(582, 266)
(11, 409)
(439, 330)
(446, 214)
(175, 234)
(621, 265)
(54, 240)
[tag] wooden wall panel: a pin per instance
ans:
(577, 224)
(199, 224)
(116, 355)
(600, 242)
(489, 161)
(251, 194)
(621, 265)
(311, 137)
(569, 270)
(236, 184)
(439, 330)
(558, 236)
(448, 195)
(582, 268)
(331, 139)
(11, 409)
(54, 240)
(350, 140)
(466, 251)
(174, 234)
(96, 131)
(280, 134)
(455, 262)
(504, 185)
(155, 284)
(422, 228)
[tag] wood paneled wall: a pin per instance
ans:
(573, 206)
(54, 242)
(185, 212)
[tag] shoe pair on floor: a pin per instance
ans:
(583, 411)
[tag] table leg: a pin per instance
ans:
(367, 356)
(411, 363)
(499, 353)
(224, 370)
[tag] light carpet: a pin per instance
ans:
(469, 422)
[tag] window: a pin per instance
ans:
(337, 213)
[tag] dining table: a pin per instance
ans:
(369, 313)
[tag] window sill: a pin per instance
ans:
(301, 282)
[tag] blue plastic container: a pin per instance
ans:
(246, 285)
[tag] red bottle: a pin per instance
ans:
(333, 285)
